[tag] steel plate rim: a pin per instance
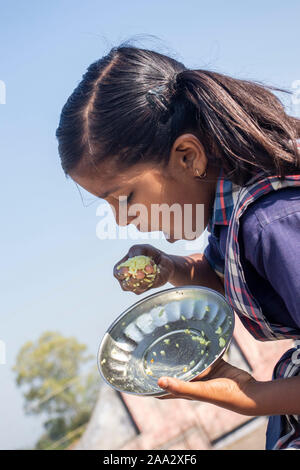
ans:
(154, 294)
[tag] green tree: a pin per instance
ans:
(57, 379)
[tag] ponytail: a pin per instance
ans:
(242, 125)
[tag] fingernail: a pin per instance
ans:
(163, 383)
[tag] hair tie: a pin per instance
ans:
(157, 91)
(160, 100)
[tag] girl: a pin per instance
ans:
(142, 125)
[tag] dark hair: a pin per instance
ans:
(242, 126)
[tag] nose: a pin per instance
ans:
(123, 219)
(121, 216)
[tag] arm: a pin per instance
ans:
(178, 270)
(234, 389)
(200, 269)
(194, 270)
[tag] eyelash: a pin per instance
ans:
(129, 197)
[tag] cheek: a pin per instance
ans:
(188, 219)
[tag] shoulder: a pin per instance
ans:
(272, 206)
(273, 219)
(269, 241)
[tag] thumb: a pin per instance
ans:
(194, 390)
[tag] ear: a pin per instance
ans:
(188, 154)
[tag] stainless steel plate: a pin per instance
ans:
(177, 332)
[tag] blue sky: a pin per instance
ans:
(56, 273)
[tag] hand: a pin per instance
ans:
(161, 259)
(222, 384)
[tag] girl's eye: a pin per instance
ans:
(129, 197)
(126, 200)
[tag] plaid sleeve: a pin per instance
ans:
(213, 255)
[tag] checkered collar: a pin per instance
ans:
(225, 198)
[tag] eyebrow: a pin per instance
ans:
(102, 196)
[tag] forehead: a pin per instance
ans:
(107, 177)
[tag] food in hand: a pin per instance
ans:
(141, 269)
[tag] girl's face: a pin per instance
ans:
(148, 186)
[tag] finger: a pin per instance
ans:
(193, 390)
(168, 397)
(164, 268)
(172, 397)
(124, 286)
(139, 283)
(116, 271)
(128, 285)
(123, 273)
(149, 268)
(161, 277)
(133, 285)
(165, 397)
(137, 250)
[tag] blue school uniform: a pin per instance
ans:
(230, 256)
